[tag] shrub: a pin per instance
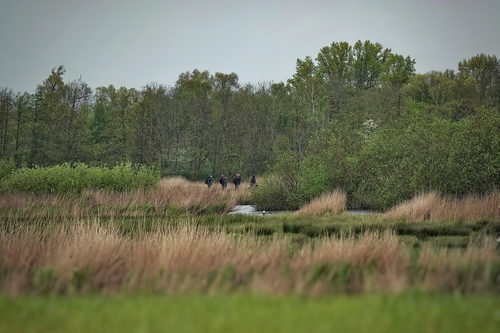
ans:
(280, 189)
(75, 178)
(6, 168)
(272, 194)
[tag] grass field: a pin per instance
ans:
(278, 255)
(409, 312)
(171, 260)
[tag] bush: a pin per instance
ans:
(271, 195)
(6, 168)
(280, 189)
(428, 153)
(75, 178)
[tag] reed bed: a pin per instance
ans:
(172, 196)
(327, 204)
(87, 257)
(435, 207)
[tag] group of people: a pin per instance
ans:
(236, 181)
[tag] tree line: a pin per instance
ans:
(356, 117)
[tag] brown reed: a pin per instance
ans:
(190, 197)
(435, 207)
(328, 203)
(88, 257)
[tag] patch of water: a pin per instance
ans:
(250, 210)
(362, 212)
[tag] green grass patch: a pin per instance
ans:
(408, 312)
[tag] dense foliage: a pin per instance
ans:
(67, 178)
(357, 117)
(6, 168)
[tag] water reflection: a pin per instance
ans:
(250, 210)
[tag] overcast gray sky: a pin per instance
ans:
(135, 42)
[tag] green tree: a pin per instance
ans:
(259, 121)
(224, 124)
(335, 63)
(145, 116)
(441, 87)
(418, 88)
(71, 142)
(368, 59)
(99, 117)
(192, 100)
(21, 122)
(397, 70)
(309, 102)
(48, 106)
(307, 86)
(335, 66)
(485, 70)
(7, 107)
(119, 136)
(281, 186)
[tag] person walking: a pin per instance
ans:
(237, 181)
(223, 182)
(253, 182)
(208, 181)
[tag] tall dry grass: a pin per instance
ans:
(172, 195)
(329, 203)
(435, 207)
(87, 257)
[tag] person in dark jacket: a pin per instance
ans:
(223, 182)
(237, 181)
(208, 181)
(253, 182)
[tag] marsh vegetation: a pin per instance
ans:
(84, 210)
(176, 238)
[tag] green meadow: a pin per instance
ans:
(407, 312)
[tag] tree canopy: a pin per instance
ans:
(355, 117)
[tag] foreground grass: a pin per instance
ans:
(86, 257)
(409, 312)
(191, 251)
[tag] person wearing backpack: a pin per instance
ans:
(223, 182)
(208, 181)
(253, 182)
(237, 181)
